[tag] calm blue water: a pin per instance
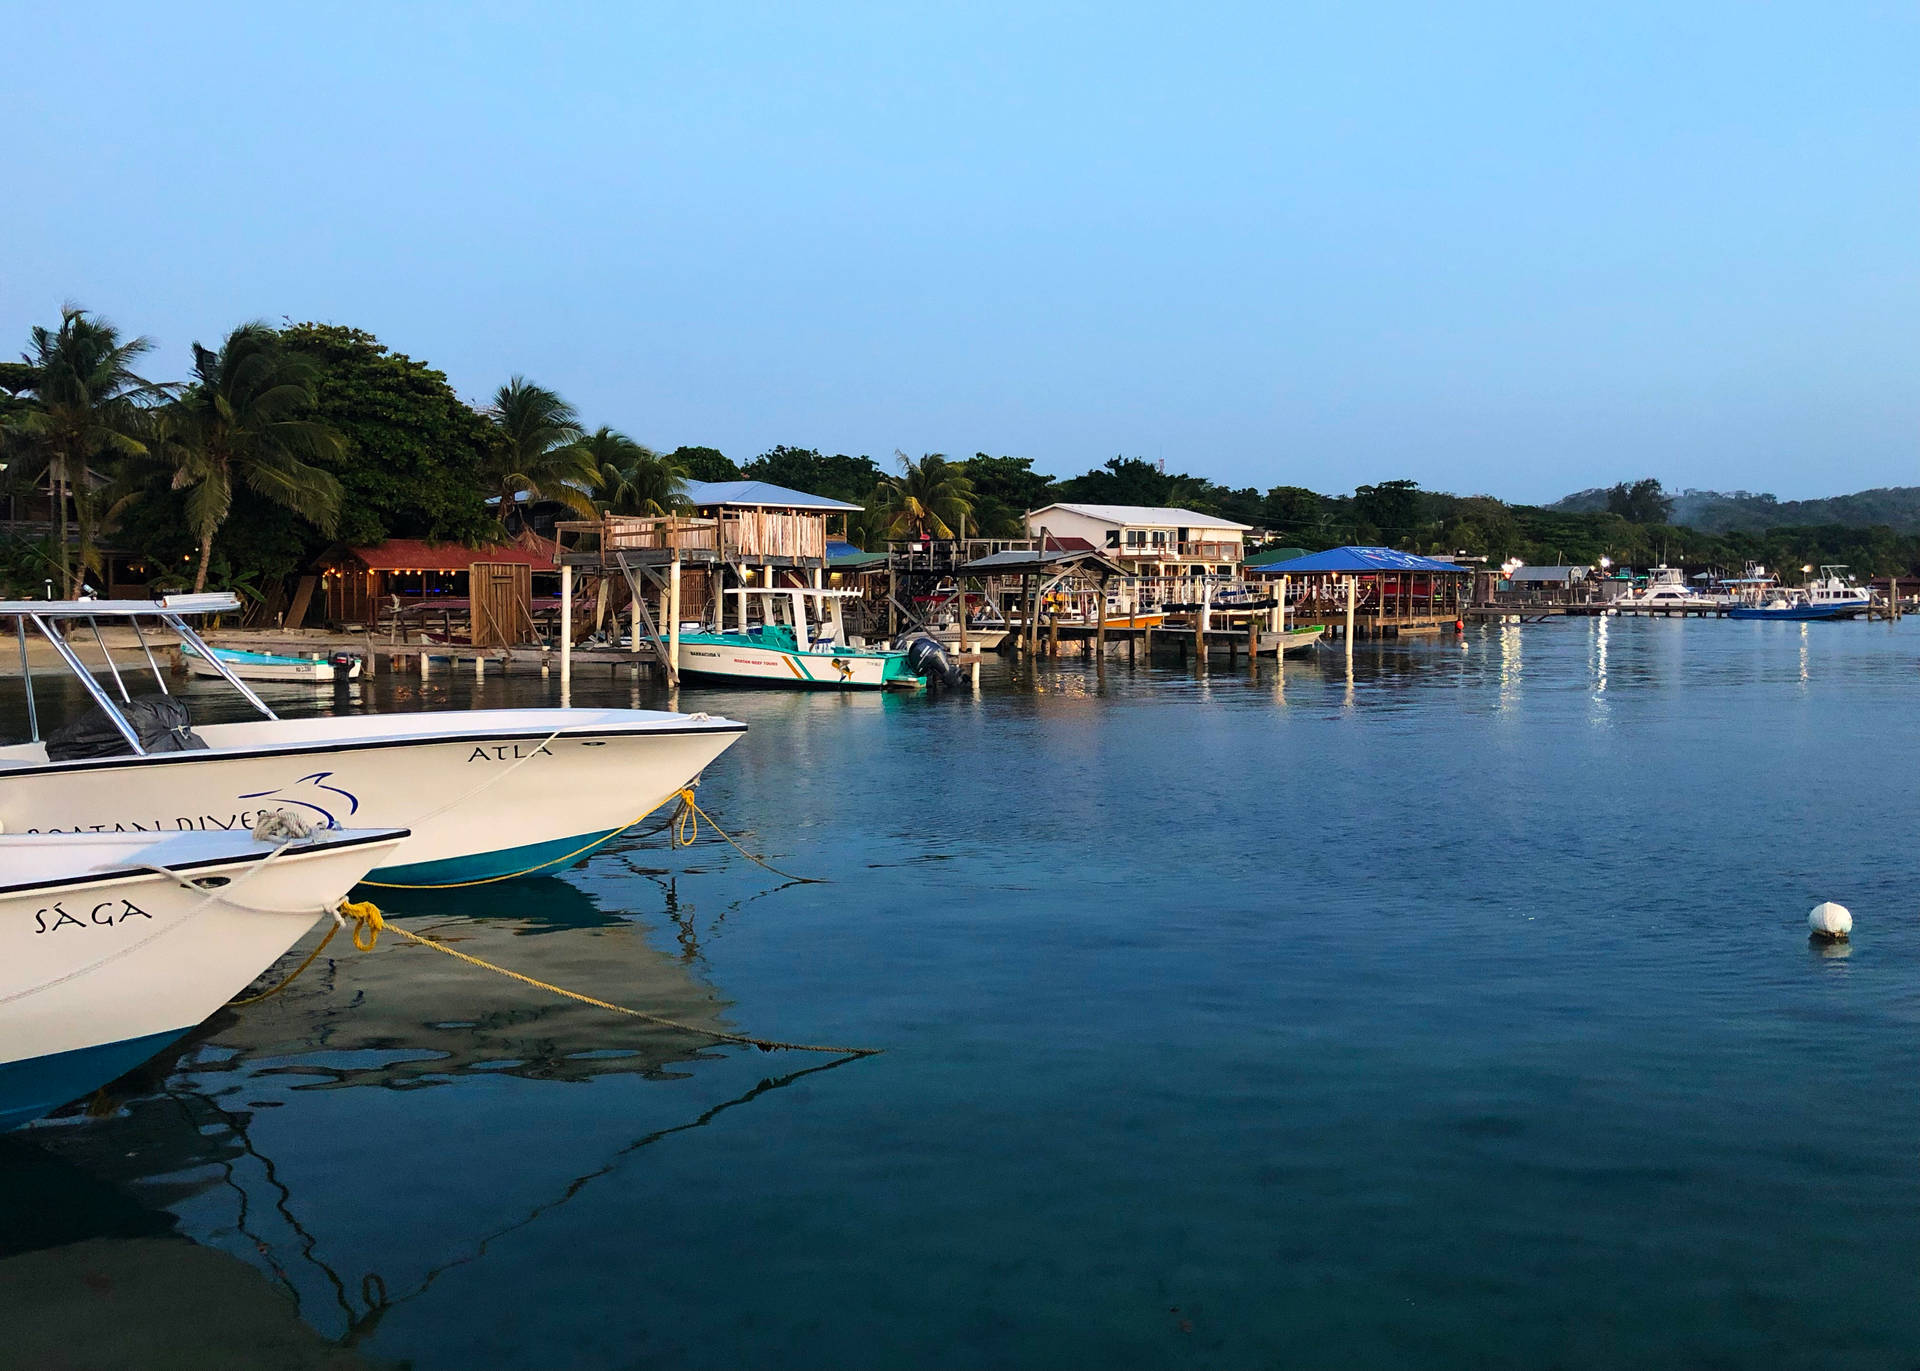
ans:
(1452, 1011)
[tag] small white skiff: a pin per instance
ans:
(273, 666)
(114, 944)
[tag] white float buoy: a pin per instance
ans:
(1830, 921)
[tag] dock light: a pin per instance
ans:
(1807, 569)
(1606, 563)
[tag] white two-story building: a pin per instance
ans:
(1151, 542)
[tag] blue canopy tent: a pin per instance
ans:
(1392, 589)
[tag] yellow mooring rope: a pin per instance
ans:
(684, 826)
(369, 924)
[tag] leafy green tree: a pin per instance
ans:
(1295, 514)
(1392, 508)
(631, 478)
(930, 497)
(704, 464)
(1640, 502)
(541, 455)
(838, 477)
(415, 451)
(247, 417)
(1004, 489)
(83, 409)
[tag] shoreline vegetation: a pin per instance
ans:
(284, 443)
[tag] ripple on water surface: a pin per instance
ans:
(1450, 1007)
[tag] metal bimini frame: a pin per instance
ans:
(47, 615)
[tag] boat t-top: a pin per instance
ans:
(488, 794)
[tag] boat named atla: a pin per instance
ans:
(489, 794)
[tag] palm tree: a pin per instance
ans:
(243, 417)
(927, 499)
(631, 478)
(541, 454)
(83, 404)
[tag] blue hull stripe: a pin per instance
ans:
(40, 1085)
(535, 859)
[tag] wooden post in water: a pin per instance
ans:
(566, 635)
(1253, 635)
(960, 581)
(673, 620)
(1353, 606)
(1100, 626)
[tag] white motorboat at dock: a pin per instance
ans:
(487, 794)
(114, 944)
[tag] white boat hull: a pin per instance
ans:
(487, 793)
(303, 673)
(978, 639)
(776, 666)
(103, 965)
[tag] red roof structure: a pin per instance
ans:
(1067, 544)
(416, 554)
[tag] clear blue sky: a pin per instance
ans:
(1518, 249)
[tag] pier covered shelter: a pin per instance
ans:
(360, 584)
(1378, 590)
(1033, 574)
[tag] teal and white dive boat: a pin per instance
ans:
(800, 653)
(270, 666)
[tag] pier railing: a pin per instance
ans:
(736, 535)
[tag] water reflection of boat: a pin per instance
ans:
(91, 1277)
(404, 1015)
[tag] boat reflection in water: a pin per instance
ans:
(494, 1104)
(90, 1277)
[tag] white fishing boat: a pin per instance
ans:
(488, 794)
(790, 647)
(1666, 591)
(114, 944)
(1837, 594)
(273, 666)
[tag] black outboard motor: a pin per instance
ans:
(928, 660)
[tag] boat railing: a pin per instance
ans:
(48, 617)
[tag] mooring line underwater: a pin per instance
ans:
(368, 923)
(684, 825)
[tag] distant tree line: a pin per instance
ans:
(282, 442)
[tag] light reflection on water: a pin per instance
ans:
(1443, 1003)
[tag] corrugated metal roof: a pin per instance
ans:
(414, 554)
(1361, 561)
(762, 494)
(1278, 554)
(844, 556)
(1551, 574)
(1152, 516)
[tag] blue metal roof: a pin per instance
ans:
(1351, 561)
(702, 494)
